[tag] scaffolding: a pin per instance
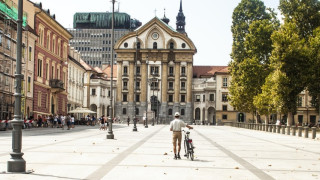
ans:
(8, 26)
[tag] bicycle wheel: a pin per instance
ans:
(186, 149)
(191, 155)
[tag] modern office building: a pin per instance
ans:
(92, 35)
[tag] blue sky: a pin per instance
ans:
(208, 22)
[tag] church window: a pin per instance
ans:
(182, 112)
(138, 45)
(171, 45)
(183, 45)
(155, 45)
(125, 45)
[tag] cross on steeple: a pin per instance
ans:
(155, 12)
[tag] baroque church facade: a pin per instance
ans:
(155, 65)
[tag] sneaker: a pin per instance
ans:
(178, 156)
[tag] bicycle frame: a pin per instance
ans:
(188, 145)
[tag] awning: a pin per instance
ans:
(82, 110)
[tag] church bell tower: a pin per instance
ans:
(181, 20)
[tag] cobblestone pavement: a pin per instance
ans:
(221, 152)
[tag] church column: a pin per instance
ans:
(189, 82)
(164, 91)
(189, 105)
(131, 82)
(164, 82)
(143, 82)
(177, 88)
(119, 82)
(131, 88)
(118, 104)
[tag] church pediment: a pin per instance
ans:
(156, 34)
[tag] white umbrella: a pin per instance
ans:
(82, 110)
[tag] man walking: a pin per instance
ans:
(175, 127)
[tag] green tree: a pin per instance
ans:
(304, 13)
(252, 29)
(291, 57)
(269, 100)
(243, 15)
(302, 17)
(314, 78)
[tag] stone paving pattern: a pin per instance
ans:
(222, 152)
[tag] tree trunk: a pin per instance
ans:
(289, 119)
(267, 119)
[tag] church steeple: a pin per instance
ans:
(181, 20)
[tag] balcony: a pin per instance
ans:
(56, 85)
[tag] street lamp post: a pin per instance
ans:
(135, 89)
(146, 123)
(110, 134)
(153, 84)
(16, 162)
(153, 98)
(307, 114)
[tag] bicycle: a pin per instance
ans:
(188, 145)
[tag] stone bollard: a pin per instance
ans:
(255, 126)
(270, 127)
(260, 126)
(306, 132)
(274, 128)
(283, 129)
(299, 131)
(294, 131)
(278, 129)
(314, 132)
(263, 127)
(288, 130)
(267, 127)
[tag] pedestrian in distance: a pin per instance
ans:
(68, 119)
(128, 120)
(102, 123)
(39, 121)
(175, 127)
(93, 119)
(72, 121)
(63, 118)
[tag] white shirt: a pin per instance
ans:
(177, 124)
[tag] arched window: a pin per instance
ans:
(137, 111)
(138, 45)
(155, 45)
(197, 113)
(171, 45)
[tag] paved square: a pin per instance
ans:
(221, 152)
